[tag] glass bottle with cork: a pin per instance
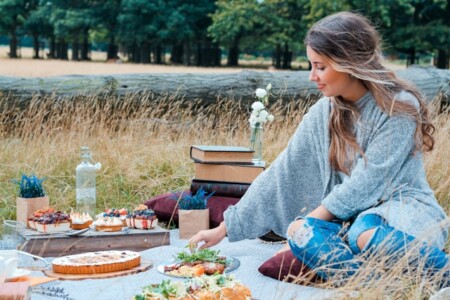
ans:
(85, 182)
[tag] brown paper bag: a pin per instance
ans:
(192, 221)
(26, 207)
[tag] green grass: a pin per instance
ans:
(143, 146)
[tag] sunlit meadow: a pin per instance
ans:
(143, 145)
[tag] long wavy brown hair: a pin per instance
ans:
(351, 44)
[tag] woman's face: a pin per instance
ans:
(330, 82)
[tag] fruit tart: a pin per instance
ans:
(80, 221)
(142, 218)
(53, 222)
(37, 214)
(118, 213)
(108, 224)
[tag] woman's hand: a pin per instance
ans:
(211, 237)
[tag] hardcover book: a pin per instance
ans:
(227, 172)
(221, 154)
(220, 188)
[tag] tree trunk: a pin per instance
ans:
(287, 57)
(13, 41)
(412, 57)
(277, 56)
(158, 55)
(176, 55)
(85, 45)
(233, 54)
(186, 53)
(217, 55)
(36, 45)
(145, 53)
(286, 85)
(52, 47)
(75, 49)
(442, 59)
(111, 53)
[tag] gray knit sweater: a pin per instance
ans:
(392, 183)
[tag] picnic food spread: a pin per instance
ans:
(96, 262)
(198, 263)
(223, 287)
(142, 218)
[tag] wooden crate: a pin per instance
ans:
(59, 244)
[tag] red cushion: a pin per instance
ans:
(285, 266)
(165, 207)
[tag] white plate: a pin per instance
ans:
(232, 264)
(18, 273)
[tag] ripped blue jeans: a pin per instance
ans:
(322, 246)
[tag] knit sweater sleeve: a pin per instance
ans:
(389, 146)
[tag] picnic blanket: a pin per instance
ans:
(251, 254)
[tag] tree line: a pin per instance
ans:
(195, 32)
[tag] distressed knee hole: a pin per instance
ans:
(364, 237)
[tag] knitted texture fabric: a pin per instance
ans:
(390, 182)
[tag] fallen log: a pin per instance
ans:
(287, 85)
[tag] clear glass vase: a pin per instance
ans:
(256, 142)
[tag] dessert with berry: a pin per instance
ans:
(37, 214)
(53, 222)
(142, 218)
(118, 213)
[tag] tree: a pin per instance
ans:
(14, 13)
(140, 21)
(232, 21)
(105, 16)
(38, 23)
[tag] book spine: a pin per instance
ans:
(236, 190)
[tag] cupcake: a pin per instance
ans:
(108, 224)
(142, 218)
(80, 221)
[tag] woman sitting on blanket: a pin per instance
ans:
(356, 157)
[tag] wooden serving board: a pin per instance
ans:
(144, 266)
(59, 244)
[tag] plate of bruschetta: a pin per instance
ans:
(198, 263)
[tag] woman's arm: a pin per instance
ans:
(210, 237)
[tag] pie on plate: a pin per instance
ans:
(96, 262)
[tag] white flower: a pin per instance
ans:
(257, 106)
(263, 116)
(260, 93)
(259, 112)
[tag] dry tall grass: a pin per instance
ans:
(143, 146)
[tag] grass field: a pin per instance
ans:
(143, 146)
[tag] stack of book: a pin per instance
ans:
(225, 170)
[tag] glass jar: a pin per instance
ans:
(256, 141)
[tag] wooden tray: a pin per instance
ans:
(144, 266)
(59, 244)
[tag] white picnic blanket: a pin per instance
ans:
(251, 254)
